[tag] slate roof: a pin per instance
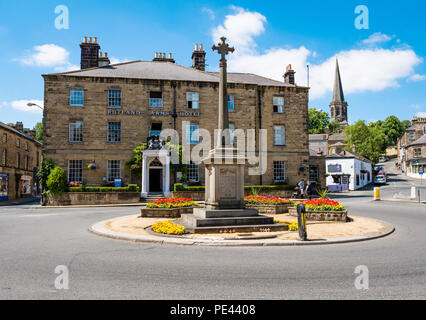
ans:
(349, 154)
(337, 137)
(151, 70)
(5, 126)
(420, 141)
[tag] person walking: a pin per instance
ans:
(301, 185)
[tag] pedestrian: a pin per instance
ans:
(302, 188)
(309, 190)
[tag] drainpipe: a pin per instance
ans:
(259, 112)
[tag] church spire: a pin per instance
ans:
(338, 95)
(338, 106)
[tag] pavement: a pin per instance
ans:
(33, 242)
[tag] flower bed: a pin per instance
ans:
(292, 226)
(269, 205)
(168, 227)
(169, 203)
(169, 208)
(322, 210)
(323, 205)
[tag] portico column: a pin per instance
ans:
(166, 190)
(144, 193)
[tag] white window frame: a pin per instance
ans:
(232, 132)
(4, 158)
(74, 126)
(280, 104)
(73, 102)
(282, 134)
(4, 137)
(115, 96)
(110, 169)
(72, 169)
(112, 132)
(193, 134)
(156, 103)
(280, 171)
(193, 172)
(193, 99)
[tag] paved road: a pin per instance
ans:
(33, 242)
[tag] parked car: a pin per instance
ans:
(383, 159)
(380, 179)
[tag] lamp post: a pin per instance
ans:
(30, 104)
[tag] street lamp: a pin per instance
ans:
(30, 104)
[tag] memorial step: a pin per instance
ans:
(203, 213)
(195, 222)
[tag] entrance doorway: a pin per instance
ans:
(155, 180)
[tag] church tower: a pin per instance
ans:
(338, 106)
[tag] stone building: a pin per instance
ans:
(20, 160)
(98, 115)
(411, 148)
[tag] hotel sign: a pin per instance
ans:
(115, 112)
(180, 114)
(335, 168)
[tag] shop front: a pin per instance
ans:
(4, 186)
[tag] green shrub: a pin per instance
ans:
(57, 181)
(130, 188)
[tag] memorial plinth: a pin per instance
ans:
(225, 209)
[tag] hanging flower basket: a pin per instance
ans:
(92, 166)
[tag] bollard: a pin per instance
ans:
(301, 217)
(376, 194)
(413, 193)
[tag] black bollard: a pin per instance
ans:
(301, 217)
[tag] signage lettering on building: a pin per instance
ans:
(335, 168)
(181, 114)
(124, 112)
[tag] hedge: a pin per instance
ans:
(180, 187)
(130, 188)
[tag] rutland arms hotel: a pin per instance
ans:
(97, 116)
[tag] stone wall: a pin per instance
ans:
(172, 213)
(271, 210)
(323, 215)
(91, 198)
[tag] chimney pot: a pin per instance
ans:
(90, 39)
(96, 39)
(106, 54)
(196, 47)
(85, 39)
(170, 55)
(201, 47)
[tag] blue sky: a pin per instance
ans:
(383, 69)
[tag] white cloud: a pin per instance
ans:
(240, 28)
(67, 68)
(417, 77)
(377, 37)
(416, 106)
(421, 115)
(22, 105)
(116, 60)
(47, 55)
(371, 69)
(210, 13)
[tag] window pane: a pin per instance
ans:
(75, 171)
(77, 97)
(193, 173)
(114, 170)
(279, 171)
(278, 104)
(231, 104)
(114, 98)
(76, 132)
(114, 131)
(192, 100)
(192, 134)
(279, 136)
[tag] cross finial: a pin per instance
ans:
(223, 48)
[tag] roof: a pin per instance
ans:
(420, 141)
(349, 154)
(168, 71)
(315, 153)
(5, 126)
(337, 137)
(315, 137)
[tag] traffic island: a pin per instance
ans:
(137, 229)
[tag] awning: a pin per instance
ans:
(419, 162)
(4, 175)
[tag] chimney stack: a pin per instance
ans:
(161, 57)
(89, 53)
(199, 58)
(289, 75)
(19, 126)
(103, 60)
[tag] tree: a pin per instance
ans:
(43, 174)
(318, 121)
(406, 124)
(393, 129)
(57, 181)
(334, 127)
(369, 141)
(39, 129)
